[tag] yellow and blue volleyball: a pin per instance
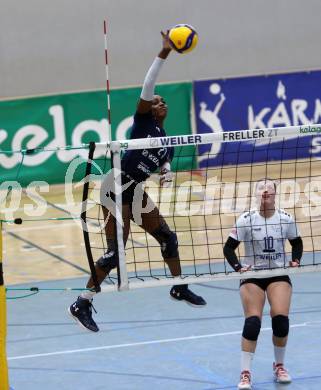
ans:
(183, 38)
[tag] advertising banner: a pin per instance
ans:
(242, 103)
(73, 119)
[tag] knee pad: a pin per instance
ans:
(251, 329)
(169, 247)
(109, 261)
(167, 240)
(280, 325)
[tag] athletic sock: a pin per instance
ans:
(246, 360)
(88, 295)
(279, 353)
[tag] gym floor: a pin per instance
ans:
(148, 341)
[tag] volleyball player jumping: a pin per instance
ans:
(137, 166)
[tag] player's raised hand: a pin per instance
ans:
(166, 44)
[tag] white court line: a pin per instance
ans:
(29, 249)
(162, 341)
(44, 207)
(57, 246)
(41, 227)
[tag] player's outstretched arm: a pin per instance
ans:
(147, 94)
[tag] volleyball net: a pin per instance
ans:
(211, 188)
(208, 193)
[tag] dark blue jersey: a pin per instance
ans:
(140, 164)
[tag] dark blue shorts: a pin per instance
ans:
(129, 192)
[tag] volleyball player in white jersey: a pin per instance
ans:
(264, 233)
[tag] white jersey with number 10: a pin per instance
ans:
(264, 238)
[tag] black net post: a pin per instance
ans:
(92, 147)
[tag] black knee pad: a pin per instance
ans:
(169, 247)
(109, 261)
(167, 240)
(251, 329)
(280, 325)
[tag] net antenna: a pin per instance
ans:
(107, 82)
(84, 214)
(115, 152)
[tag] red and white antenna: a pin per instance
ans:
(107, 84)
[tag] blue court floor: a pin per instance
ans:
(148, 341)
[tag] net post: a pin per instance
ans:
(4, 382)
(83, 217)
(122, 270)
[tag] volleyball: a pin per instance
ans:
(183, 38)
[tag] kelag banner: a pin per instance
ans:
(258, 102)
(73, 119)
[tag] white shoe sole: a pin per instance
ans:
(282, 382)
(78, 322)
(188, 303)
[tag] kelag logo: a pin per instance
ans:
(73, 119)
(310, 129)
(34, 136)
(258, 102)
